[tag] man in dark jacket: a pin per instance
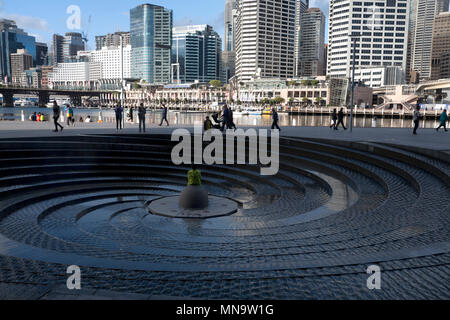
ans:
(341, 119)
(226, 118)
(142, 114)
(275, 119)
(164, 116)
(56, 115)
(119, 117)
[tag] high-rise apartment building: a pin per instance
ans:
(311, 59)
(423, 15)
(112, 40)
(265, 39)
(20, 61)
(196, 54)
(151, 41)
(441, 43)
(381, 32)
(12, 39)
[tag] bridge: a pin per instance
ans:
(407, 96)
(43, 94)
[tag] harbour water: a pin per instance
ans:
(180, 118)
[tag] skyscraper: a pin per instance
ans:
(65, 48)
(229, 54)
(57, 49)
(380, 29)
(12, 39)
(300, 9)
(72, 43)
(441, 43)
(312, 43)
(265, 39)
(196, 54)
(230, 20)
(151, 42)
(424, 13)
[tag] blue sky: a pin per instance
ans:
(43, 18)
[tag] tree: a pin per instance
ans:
(292, 83)
(318, 101)
(305, 100)
(216, 84)
(278, 100)
(291, 101)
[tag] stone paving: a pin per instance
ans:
(335, 208)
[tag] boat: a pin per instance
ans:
(241, 112)
(248, 112)
(267, 112)
(254, 112)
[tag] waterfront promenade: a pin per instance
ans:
(427, 138)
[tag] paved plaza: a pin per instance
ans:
(340, 203)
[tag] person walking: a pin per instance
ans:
(334, 119)
(443, 119)
(142, 113)
(226, 118)
(164, 116)
(276, 118)
(416, 119)
(132, 114)
(340, 117)
(56, 115)
(231, 124)
(119, 117)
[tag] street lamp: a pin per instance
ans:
(353, 81)
(122, 94)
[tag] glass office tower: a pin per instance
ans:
(196, 54)
(12, 39)
(151, 42)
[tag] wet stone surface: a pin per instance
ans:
(109, 205)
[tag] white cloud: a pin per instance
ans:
(28, 22)
(38, 37)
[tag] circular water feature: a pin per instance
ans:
(109, 205)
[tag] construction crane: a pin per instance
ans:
(85, 33)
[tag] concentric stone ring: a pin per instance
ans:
(310, 232)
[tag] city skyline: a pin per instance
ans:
(38, 20)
